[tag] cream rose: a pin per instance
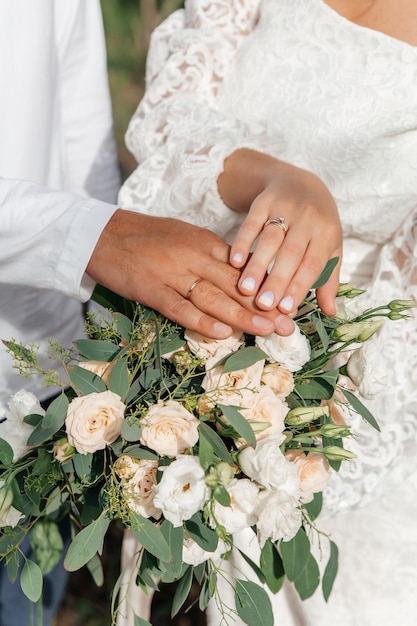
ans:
(278, 516)
(182, 490)
(367, 370)
(235, 387)
(206, 348)
(94, 420)
(126, 466)
(241, 512)
(268, 466)
(313, 470)
(291, 352)
(14, 430)
(100, 368)
(279, 379)
(267, 409)
(140, 489)
(169, 429)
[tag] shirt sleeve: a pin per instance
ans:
(47, 237)
(178, 135)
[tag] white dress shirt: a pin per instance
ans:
(56, 153)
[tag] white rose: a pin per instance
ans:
(278, 516)
(292, 352)
(279, 379)
(193, 554)
(94, 420)
(266, 408)
(206, 348)
(367, 370)
(241, 512)
(14, 430)
(182, 490)
(140, 489)
(169, 429)
(313, 470)
(100, 368)
(233, 388)
(268, 466)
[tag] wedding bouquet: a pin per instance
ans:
(185, 441)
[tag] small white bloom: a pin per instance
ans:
(367, 370)
(241, 512)
(268, 466)
(182, 490)
(193, 554)
(169, 429)
(278, 516)
(14, 430)
(291, 352)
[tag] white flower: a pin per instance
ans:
(169, 429)
(182, 490)
(291, 352)
(14, 430)
(233, 388)
(241, 512)
(349, 308)
(193, 554)
(266, 408)
(268, 466)
(94, 420)
(278, 516)
(9, 516)
(279, 379)
(314, 472)
(140, 489)
(367, 370)
(206, 348)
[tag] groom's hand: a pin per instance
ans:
(155, 261)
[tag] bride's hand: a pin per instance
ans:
(299, 248)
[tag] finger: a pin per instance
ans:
(248, 232)
(326, 295)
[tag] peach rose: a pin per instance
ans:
(206, 348)
(235, 387)
(139, 489)
(94, 420)
(100, 368)
(313, 470)
(279, 379)
(267, 409)
(126, 466)
(169, 429)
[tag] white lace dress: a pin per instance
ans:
(296, 80)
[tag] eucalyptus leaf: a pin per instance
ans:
(31, 581)
(272, 567)
(47, 544)
(360, 408)
(86, 544)
(139, 452)
(124, 326)
(326, 273)
(182, 591)
(119, 379)
(150, 537)
(204, 536)
(205, 595)
(86, 382)
(139, 621)
(314, 507)
(254, 566)
(222, 495)
(216, 442)
(244, 358)
(82, 465)
(95, 568)
(6, 452)
(110, 300)
(309, 579)
(56, 413)
(205, 453)
(253, 604)
(33, 419)
(239, 423)
(174, 536)
(131, 430)
(97, 349)
(295, 554)
(331, 571)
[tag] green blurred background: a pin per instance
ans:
(128, 25)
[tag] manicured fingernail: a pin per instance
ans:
(284, 325)
(237, 257)
(248, 283)
(262, 324)
(287, 303)
(222, 330)
(267, 298)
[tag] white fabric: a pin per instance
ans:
(296, 80)
(56, 138)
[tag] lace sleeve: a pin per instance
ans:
(178, 135)
(387, 458)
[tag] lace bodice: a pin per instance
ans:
(296, 80)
